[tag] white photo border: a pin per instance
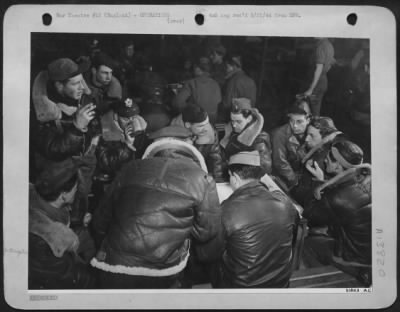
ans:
(374, 23)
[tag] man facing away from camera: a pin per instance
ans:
(152, 211)
(257, 231)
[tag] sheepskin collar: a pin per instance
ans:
(56, 234)
(172, 143)
(49, 105)
(357, 173)
(249, 134)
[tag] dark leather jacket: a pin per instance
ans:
(258, 229)
(251, 138)
(59, 139)
(287, 153)
(151, 211)
(212, 155)
(346, 207)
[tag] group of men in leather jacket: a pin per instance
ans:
(159, 218)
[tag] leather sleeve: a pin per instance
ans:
(57, 144)
(213, 249)
(263, 145)
(49, 271)
(214, 162)
(280, 162)
(207, 213)
(319, 212)
(102, 215)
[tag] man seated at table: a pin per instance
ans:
(255, 240)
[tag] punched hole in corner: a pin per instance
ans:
(199, 18)
(47, 19)
(352, 19)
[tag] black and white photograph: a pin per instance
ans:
(207, 163)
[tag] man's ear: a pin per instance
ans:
(236, 176)
(187, 125)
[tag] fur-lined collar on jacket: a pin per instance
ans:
(249, 134)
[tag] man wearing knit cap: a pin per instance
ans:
(202, 90)
(344, 204)
(205, 140)
(104, 86)
(238, 85)
(151, 213)
(255, 240)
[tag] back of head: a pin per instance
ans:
(203, 64)
(56, 178)
(193, 113)
(246, 165)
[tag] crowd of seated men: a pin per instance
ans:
(125, 191)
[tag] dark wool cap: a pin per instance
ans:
(65, 68)
(103, 59)
(126, 108)
(55, 176)
(194, 114)
(171, 131)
